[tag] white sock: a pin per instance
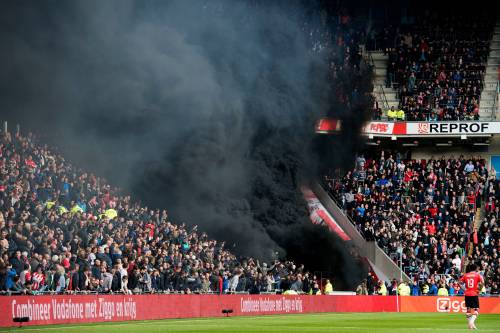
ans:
(473, 319)
(469, 317)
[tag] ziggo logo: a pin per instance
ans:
(449, 305)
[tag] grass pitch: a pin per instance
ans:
(328, 322)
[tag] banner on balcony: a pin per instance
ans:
(319, 215)
(416, 129)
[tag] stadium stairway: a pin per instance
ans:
(386, 96)
(382, 265)
(478, 217)
(488, 103)
(469, 248)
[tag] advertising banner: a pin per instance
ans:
(447, 304)
(452, 128)
(65, 309)
(416, 129)
(319, 215)
(385, 128)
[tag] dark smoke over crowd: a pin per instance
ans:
(206, 108)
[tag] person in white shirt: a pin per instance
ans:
(457, 262)
(469, 167)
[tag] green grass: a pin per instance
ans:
(328, 322)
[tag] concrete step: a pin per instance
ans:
(488, 96)
(388, 92)
(491, 92)
(488, 113)
(490, 85)
(485, 113)
(379, 55)
(487, 103)
(380, 63)
(390, 95)
(483, 110)
(492, 76)
(380, 71)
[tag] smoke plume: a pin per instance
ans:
(206, 108)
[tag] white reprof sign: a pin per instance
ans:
(457, 128)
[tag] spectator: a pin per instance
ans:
(362, 288)
(328, 287)
(442, 291)
(415, 289)
(403, 289)
(382, 289)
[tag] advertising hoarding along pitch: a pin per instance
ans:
(66, 309)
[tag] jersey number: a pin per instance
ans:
(470, 283)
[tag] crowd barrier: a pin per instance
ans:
(64, 309)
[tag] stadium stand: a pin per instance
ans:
(436, 65)
(67, 231)
(432, 208)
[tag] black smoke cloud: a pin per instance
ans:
(204, 107)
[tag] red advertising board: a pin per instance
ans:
(44, 310)
(447, 304)
(64, 309)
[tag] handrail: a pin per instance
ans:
(385, 104)
(358, 232)
(370, 57)
(495, 101)
(384, 98)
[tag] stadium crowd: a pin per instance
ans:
(437, 64)
(63, 230)
(427, 207)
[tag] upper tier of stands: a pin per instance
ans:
(436, 64)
